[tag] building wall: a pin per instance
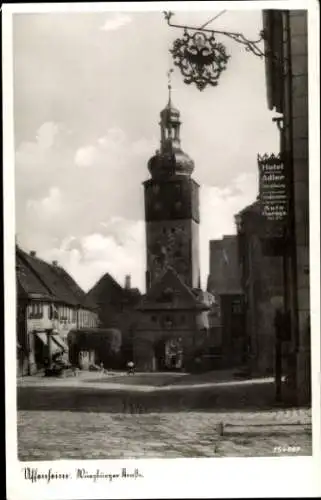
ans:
(262, 282)
(173, 243)
(296, 147)
(233, 329)
(38, 317)
(196, 276)
(68, 318)
(300, 157)
(38, 320)
(172, 234)
(224, 276)
(154, 327)
(224, 282)
(287, 85)
(87, 319)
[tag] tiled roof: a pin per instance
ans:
(29, 283)
(46, 281)
(80, 295)
(181, 295)
(108, 291)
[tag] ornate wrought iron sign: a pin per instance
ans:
(200, 57)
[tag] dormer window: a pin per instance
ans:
(167, 295)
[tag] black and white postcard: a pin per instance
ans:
(162, 236)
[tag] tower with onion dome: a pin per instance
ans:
(172, 323)
(172, 207)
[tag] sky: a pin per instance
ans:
(88, 90)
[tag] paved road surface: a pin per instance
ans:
(78, 435)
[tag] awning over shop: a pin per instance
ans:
(59, 342)
(54, 347)
(43, 337)
(56, 343)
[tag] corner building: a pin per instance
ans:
(174, 310)
(287, 93)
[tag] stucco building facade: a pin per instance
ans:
(262, 282)
(224, 283)
(49, 304)
(116, 307)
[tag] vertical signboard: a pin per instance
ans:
(273, 193)
(273, 188)
(273, 197)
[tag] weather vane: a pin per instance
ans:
(169, 81)
(200, 57)
(169, 77)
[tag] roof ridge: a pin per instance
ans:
(171, 271)
(63, 275)
(175, 273)
(21, 286)
(23, 256)
(61, 286)
(101, 280)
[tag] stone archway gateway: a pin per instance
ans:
(171, 326)
(169, 352)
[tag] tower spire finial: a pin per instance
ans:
(169, 85)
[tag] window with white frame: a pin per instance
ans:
(63, 313)
(36, 310)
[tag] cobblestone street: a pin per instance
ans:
(77, 435)
(92, 416)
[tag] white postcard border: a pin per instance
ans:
(189, 478)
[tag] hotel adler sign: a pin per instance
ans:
(273, 190)
(273, 197)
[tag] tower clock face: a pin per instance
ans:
(168, 200)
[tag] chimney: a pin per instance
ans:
(55, 263)
(127, 282)
(33, 253)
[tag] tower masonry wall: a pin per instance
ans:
(173, 243)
